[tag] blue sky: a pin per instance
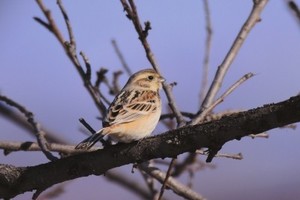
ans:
(35, 71)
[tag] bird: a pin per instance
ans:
(134, 112)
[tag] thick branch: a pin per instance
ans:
(17, 180)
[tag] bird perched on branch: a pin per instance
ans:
(135, 111)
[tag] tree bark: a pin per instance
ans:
(212, 135)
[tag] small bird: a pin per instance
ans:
(135, 111)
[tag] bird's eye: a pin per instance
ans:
(150, 78)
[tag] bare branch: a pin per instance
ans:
(238, 156)
(20, 121)
(208, 41)
(52, 25)
(128, 183)
(9, 147)
(149, 182)
(163, 187)
(91, 130)
(88, 72)
(43, 23)
(290, 126)
(55, 192)
(70, 48)
(180, 167)
(171, 115)
(40, 134)
(102, 78)
(253, 18)
(206, 106)
(295, 9)
(115, 82)
(202, 115)
(68, 23)
(133, 16)
(169, 144)
(121, 57)
(260, 135)
(172, 183)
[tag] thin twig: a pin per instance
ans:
(162, 189)
(52, 25)
(290, 126)
(91, 130)
(202, 115)
(217, 116)
(295, 9)
(43, 23)
(143, 33)
(115, 81)
(253, 18)
(208, 41)
(19, 120)
(238, 156)
(172, 183)
(171, 115)
(88, 72)
(70, 48)
(121, 57)
(40, 134)
(10, 146)
(71, 45)
(128, 184)
(260, 135)
(133, 16)
(149, 180)
(101, 78)
(68, 23)
(54, 192)
(205, 116)
(180, 167)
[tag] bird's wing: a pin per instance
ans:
(130, 105)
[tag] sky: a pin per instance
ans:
(35, 71)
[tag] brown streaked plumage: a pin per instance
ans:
(135, 111)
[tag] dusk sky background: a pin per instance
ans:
(35, 71)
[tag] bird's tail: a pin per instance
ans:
(90, 141)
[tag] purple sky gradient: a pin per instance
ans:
(35, 71)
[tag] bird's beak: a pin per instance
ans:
(161, 79)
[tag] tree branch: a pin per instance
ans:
(20, 121)
(132, 14)
(38, 132)
(179, 188)
(205, 112)
(70, 49)
(129, 184)
(17, 180)
(253, 18)
(295, 9)
(121, 57)
(208, 41)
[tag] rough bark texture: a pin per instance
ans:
(17, 180)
